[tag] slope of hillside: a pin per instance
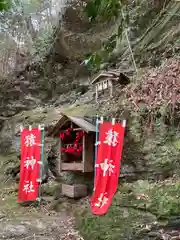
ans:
(146, 205)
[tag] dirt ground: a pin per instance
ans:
(34, 223)
(31, 222)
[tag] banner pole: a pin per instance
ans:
(41, 128)
(96, 146)
(21, 128)
(113, 121)
(96, 143)
(124, 123)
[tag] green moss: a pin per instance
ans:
(31, 117)
(163, 197)
(130, 211)
(49, 189)
(81, 111)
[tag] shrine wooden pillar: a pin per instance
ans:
(96, 93)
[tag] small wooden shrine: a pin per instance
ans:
(76, 138)
(76, 143)
(106, 82)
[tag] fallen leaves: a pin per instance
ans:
(158, 88)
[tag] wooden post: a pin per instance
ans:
(88, 153)
(60, 155)
(84, 152)
(105, 84)
(96, 93)
(111, 88)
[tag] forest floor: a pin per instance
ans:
(33, 223)
(140, 210)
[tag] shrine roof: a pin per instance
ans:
(81, 122)
(114, 75)
(85, 123)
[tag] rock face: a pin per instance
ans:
(149, 156)
(39, 91)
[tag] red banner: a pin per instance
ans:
(30, 165)
(107, 166)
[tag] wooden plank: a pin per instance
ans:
(96, 93)
(111, 88)
(74, 129)
(52, 133)
(60, 155)
(105, 84)
(88, 153)
(84, 152)
(72, 166)
(74, 191)
(80, 190)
